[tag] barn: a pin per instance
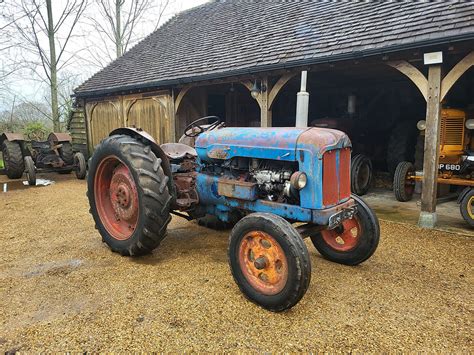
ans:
(375, 69)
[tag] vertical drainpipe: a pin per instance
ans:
(302, 103)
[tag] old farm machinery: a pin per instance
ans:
(456, 162)
(260, 180)
(53, 155)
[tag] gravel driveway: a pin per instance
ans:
(62, 289)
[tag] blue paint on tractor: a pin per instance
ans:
(304, 146)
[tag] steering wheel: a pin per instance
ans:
(200, 129)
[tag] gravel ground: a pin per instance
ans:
(61, 289)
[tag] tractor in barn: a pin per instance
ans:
(456, 161)
(53, 155)
(274, 185)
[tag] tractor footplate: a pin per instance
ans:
(337, 218)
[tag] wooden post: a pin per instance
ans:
(431, 154)
(265, 111)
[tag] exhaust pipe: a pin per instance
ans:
(302, 103)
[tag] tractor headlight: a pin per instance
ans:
(298, 180)
(470, 124)
(421, 125)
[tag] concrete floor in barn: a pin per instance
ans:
(383, 201)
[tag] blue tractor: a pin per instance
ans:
(275, 186)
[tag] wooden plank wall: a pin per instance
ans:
(77, 129)
(152, 112)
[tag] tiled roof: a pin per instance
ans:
(222, 38)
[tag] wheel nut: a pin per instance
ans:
(260, 263)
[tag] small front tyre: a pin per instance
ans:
(80, 166)
(354, 241)
(269, 261)
(30, 171)
(467, 207)
(403, 184)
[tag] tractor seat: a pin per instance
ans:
(178, 150)
(40, 145)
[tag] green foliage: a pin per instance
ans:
(35, 130)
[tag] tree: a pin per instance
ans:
(117, 25)
(46, 38)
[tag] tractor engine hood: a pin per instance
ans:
(268, 143)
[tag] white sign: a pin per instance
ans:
(433, 58)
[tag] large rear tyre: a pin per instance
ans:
(354, 241)
(403, 186)
(269, 261)
(66, 153)
(467, 207)
(128, 195)
(361, 174)
(30, 171)
(13, 159)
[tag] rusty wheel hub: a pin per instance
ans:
(116, 198)
(344, 237)
(263, 262)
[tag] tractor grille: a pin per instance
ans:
(452, 130)
(336, 176)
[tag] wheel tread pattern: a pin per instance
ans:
(13, 159)
(155, 196)
(298, 251)
(399, 181)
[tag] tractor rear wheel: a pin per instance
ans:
(467, 207)
(30, 171)
(361, 174)
(269, 261)
(354, 241)
(403, 186)
(128, 195)
(66, 153)
(13, 159)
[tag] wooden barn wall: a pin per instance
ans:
(152, 112)
(77, 129)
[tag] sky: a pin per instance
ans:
(80, 56)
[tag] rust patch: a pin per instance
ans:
(330, 183)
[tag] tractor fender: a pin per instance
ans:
(463, 193)
(12, 137)
(56, 137)
(145, 137)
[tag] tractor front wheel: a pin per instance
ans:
(269, 261)
(30, 171)
(403, 186)
(80, 166)
(467, 207)
(352, 242)
(13, 159)
(128, 195)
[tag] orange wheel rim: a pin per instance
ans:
(263, 262)
(344, 237)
